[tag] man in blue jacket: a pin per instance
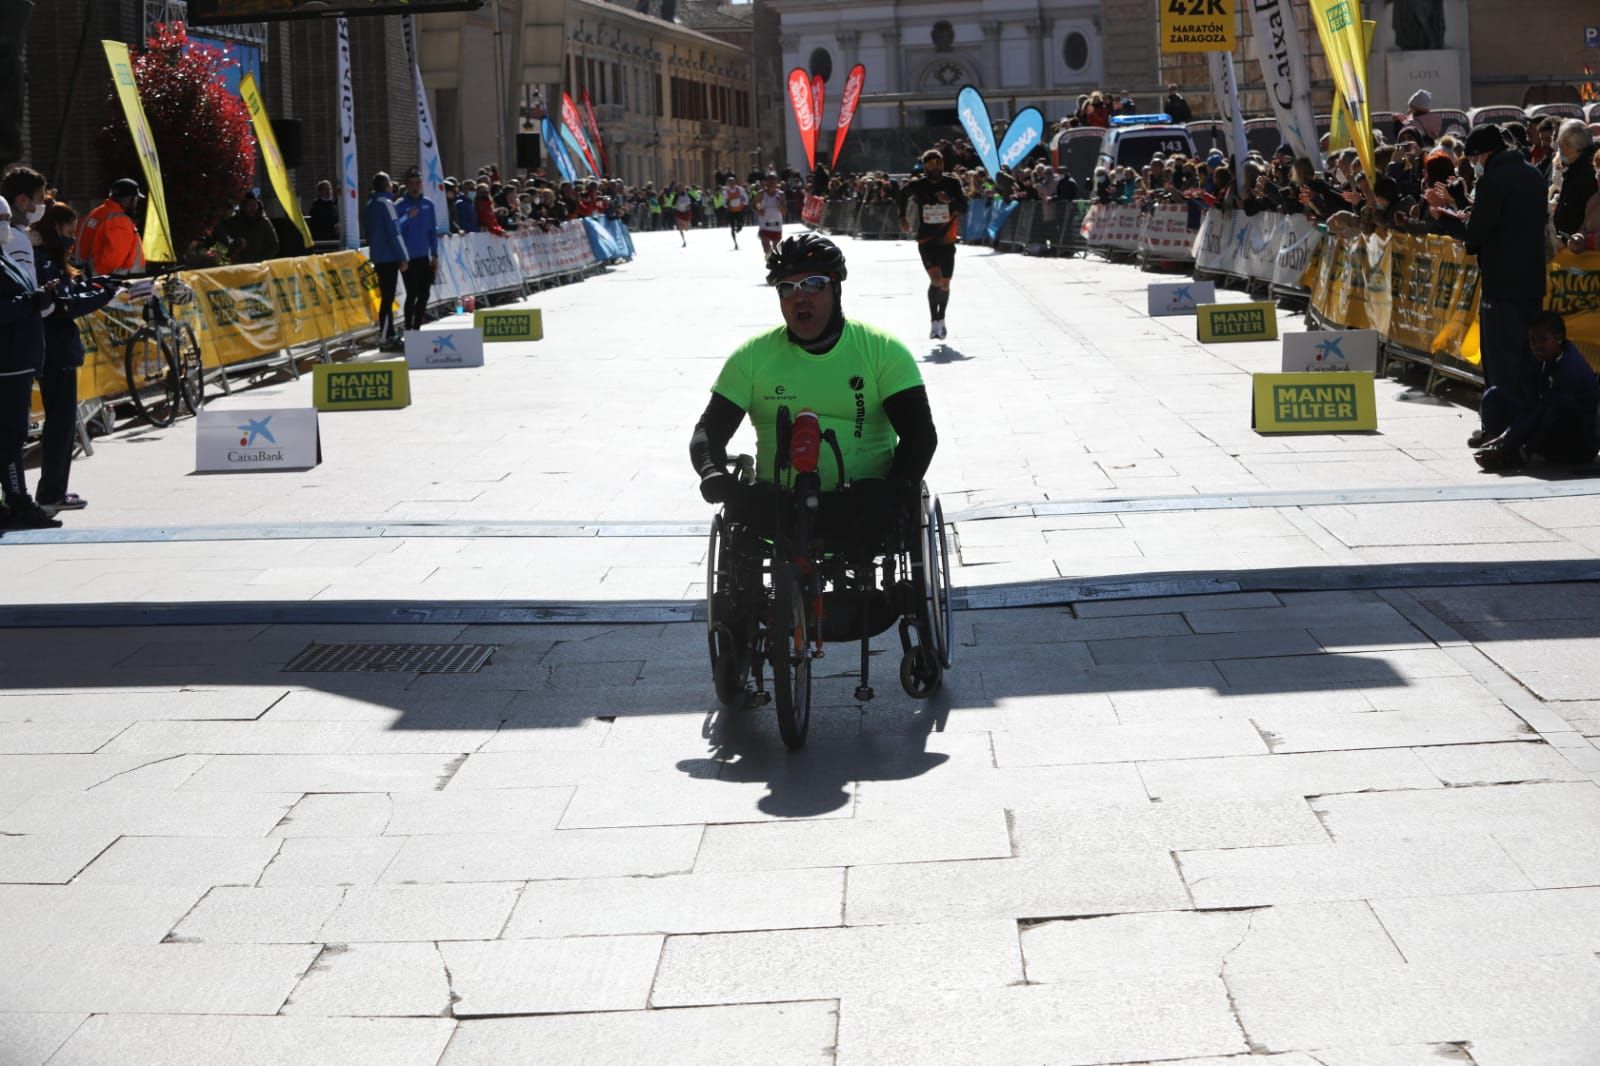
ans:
(419, 227)
(466, 208)
(1556, 420)
(1506, 232)
(387, 251)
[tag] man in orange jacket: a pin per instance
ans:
(108, 241)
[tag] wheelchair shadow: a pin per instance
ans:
(819, 778)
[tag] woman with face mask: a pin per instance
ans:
(75, 296)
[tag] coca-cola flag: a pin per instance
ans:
(847, 108)
(594, 130)
(804, 117)
(574, 124)
(819, 93)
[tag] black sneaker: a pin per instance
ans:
(29, 516)
(70, 502)
(1475, 439)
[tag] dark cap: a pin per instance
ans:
(413, 173)
(124, 187)
(1283, 149)
(1484, 138)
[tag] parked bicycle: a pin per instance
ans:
(162, 358)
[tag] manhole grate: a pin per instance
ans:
(392, 658)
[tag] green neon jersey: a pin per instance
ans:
(846, 387)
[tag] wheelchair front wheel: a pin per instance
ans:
(726, 639)
(788, 650)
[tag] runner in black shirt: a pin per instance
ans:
(940, 204)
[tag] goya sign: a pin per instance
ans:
(524, 324)
(1197, 25)
(1314, 403)
(361, 386)
(1238, 322)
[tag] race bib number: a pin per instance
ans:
(935, 214)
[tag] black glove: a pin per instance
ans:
(719, 487)
(42, 299)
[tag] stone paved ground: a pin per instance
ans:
(1342, 810)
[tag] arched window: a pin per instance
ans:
(821, 63)
(1075, 51)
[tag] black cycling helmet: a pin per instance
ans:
(805, 253)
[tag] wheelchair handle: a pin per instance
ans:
(831, 439)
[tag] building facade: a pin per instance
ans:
(1020, 53)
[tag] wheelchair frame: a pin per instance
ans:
(765, 601)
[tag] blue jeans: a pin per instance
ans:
(1507, 361)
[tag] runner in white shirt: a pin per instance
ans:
(736, 199)
(769, 205)
(682, 211)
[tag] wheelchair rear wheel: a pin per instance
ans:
(727, 637)
(937, 552)
(788, 650)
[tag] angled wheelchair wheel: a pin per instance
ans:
(726, 636)
(788, 652)
(936, 551)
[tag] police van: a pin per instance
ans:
(1133, 141)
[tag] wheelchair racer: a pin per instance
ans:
(862, 383)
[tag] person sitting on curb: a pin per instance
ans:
(1557, 422)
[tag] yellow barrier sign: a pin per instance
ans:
(1197, 25)
(1313, 403)
(384, 386)
(523, 324)
(1238, 322)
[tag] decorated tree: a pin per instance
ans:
(202, 133)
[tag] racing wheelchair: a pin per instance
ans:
(777, 594)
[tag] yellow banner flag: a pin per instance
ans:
(1341, 30)
(157, 242)
(273, 157)
(1340, 133)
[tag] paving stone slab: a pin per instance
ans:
(684, 903)
(1555, 857)
(421, 912)
(317, 861)
(202, 861)
(231, 915)
(1129, 743)
(1544, 1049)
(48, 858)
(1269, 776)
(323, 773)
(647, 851)
(551, 769)
(1195, 943)
(1209, 647)
(1419, 1002)
(120, 707)
(775, 1034)
(1488, 764)
(1229, 601)
(671, 797)
(853, 842)
(373, 981)
(1057, 885)
(167, 1040)
(781, 965)
(1306, 873)
(1454, 812)
(1300, 615)
(296, 738)
(30, 1039)
(1091, 1022)
(1288, 733)
(252, 814)
(551, 976)
(998, 787)
(92, 913)
(166, 978)
(1166, 826)
(1497, 925)
(47, 737)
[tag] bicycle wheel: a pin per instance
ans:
(191, 371)
(153, 383)
(787, 650)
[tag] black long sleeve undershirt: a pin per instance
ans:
(907, 410)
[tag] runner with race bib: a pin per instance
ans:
(769, 214)
(736, 199)
(940, 202)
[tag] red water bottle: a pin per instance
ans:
(805, 443)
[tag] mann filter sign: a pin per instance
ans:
(1342, 402)
(524, 324)
(1330, 352)
(248, 442)
(1196, 25)
(1181, 299)
(361, 387)
(444, 349)
(1238, 322)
